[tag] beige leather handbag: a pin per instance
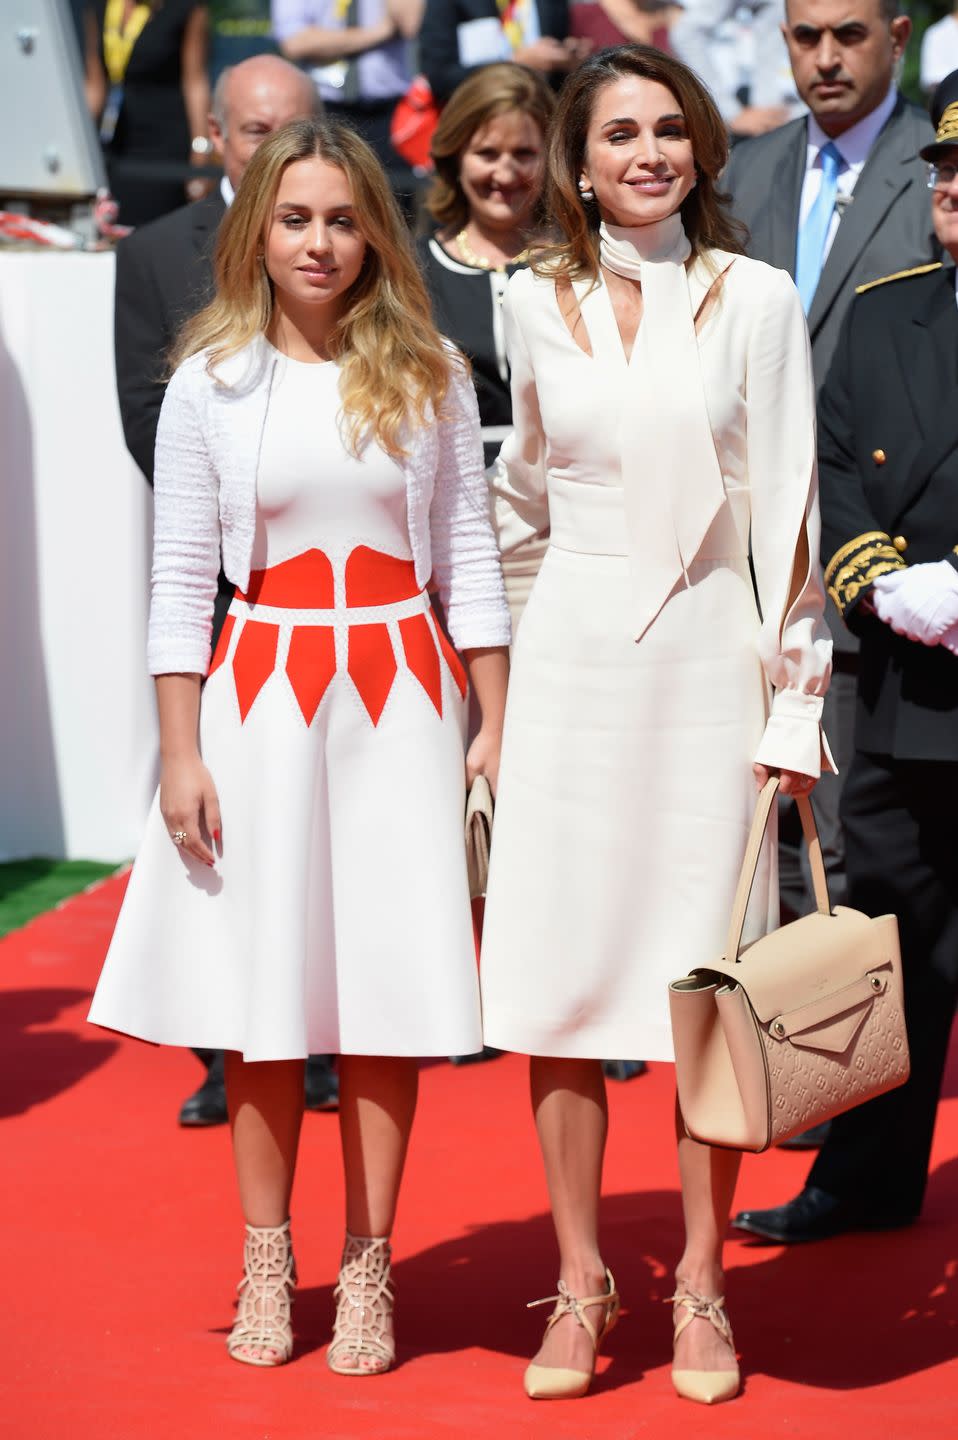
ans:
(802, 1024)
(479, 808)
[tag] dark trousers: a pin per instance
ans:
(794, 876)
(901, 855)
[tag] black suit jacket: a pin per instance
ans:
(888, 458)
(886, 227)
(438, 44)
(164, 275)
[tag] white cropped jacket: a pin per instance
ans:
(207, 454)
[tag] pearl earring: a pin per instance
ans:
(584, 191)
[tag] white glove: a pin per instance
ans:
(920, 602)
(950, 639)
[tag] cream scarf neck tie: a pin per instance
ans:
(670, 469)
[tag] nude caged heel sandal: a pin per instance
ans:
(264, 1312)
(362, 1341)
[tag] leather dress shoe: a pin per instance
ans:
(322, 1083)
(207, 1105)
(814, 1215)
(811, 1139)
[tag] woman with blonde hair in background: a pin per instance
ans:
(301, 885)
(664, 426)
(489, 153)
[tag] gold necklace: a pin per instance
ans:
(479, 261)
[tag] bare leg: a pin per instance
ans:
(708, 1186)
(377, 1103)
(569, 1103)
(265, 1102)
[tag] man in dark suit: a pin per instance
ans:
(164, 275)
(459, 36)
(888, 454)
(836, 198)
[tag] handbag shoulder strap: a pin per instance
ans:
(754, 848)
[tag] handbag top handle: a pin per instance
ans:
(757, 834)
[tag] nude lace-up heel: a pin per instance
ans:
(708, 1387)
(553, 1382)
(364, 1307)
(263, 1315)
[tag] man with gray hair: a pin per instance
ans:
(164, 275)
(164, 272)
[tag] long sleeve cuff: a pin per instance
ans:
(793, 738)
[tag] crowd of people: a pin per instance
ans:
(535, 494)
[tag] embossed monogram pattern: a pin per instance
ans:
(808, 1086)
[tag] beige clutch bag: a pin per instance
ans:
(803, 1024)
(479, 806)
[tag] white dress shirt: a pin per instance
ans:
(855, 146)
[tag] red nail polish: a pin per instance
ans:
(216, 835)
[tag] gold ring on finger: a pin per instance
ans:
(178, 837)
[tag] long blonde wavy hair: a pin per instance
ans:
(394, 365)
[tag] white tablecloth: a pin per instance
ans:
(78, 739)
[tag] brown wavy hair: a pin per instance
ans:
(493, 90)
(394, 364)
(708, 224)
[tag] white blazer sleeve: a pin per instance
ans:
(465, 557)
(186, 531)
(518, 477)
(794, 642)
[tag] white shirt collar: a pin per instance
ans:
(227, 191)
(856, 143)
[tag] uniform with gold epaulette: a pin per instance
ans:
(888, 458)
(888, 466)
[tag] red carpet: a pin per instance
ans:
(123, 1241)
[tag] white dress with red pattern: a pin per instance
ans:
(337, 917)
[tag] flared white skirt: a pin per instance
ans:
(337, 917)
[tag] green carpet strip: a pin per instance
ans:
(29, 887)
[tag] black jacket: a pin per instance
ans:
(888, 457)
(164, 275)
(438, 41)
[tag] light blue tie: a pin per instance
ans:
(814, 233)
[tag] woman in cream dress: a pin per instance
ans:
(664, 426)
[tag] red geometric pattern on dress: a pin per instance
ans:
(223, 644)
(311, 665)
(452, 658)
(422, 657)
(373, 578)
(372, 666)
(253, 661)
(303, 583)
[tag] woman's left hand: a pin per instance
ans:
(482, 758)
(790, 782)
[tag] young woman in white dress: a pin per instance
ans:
(301, 885)
(664, 427)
